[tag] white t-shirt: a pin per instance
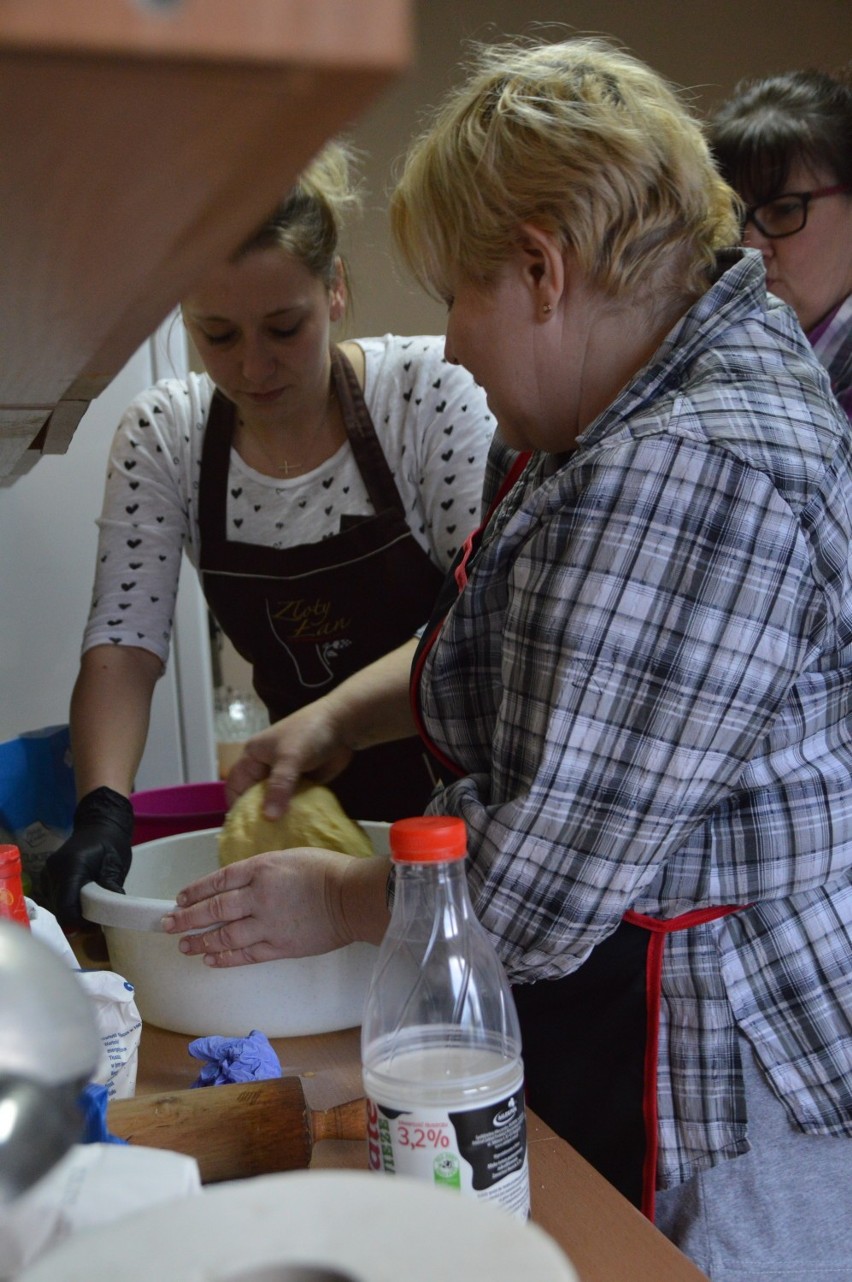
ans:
(434, 427)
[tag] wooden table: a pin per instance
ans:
(606, 1239)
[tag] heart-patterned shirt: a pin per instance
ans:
(433, 424)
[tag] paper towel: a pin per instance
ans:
(351, 1225)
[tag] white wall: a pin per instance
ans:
(48, 540)
(705, 46)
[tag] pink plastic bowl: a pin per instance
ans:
(189, 807)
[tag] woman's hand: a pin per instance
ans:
(98, 849)
(285, 903)
(305, 743)
(372, 706)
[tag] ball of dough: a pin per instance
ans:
(314, 818)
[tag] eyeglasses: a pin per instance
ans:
(788, 213)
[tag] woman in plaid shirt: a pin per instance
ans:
(639, 676)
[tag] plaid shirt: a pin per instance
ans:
(832, 343)
(647, 682)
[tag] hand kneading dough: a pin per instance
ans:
(314, 818)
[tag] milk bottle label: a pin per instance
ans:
(479, 1150)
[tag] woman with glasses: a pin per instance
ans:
(785, 144)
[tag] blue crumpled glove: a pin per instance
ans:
(235, 1059)
(93, 1102)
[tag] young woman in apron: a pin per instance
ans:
(319, 495)
(368, 587)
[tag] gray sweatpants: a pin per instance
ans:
(780, 1213)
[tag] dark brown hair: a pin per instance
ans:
(768, 126)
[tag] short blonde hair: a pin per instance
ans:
(310, 220)
(579, 139)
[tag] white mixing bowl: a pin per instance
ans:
(290, 998)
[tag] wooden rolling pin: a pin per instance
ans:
(236, 1130)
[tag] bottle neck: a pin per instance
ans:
(424, 893)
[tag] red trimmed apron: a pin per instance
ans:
(590, 1039)
(307, 617)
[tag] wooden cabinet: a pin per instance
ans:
(142, 140)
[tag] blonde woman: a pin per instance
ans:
(640, 668)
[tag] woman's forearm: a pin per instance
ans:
(372, 706)
(110, 712)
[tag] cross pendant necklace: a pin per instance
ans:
(286, 468)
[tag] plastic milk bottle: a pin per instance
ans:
(440, 1040)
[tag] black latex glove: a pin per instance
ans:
(97, 850)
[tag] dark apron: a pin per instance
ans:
(307, 617)
(590, 1039)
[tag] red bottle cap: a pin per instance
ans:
(428, 839)
(10, 858)
(12, 903)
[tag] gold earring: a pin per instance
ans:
(547, 309)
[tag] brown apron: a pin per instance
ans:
(307, 617)
(590, 1039)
